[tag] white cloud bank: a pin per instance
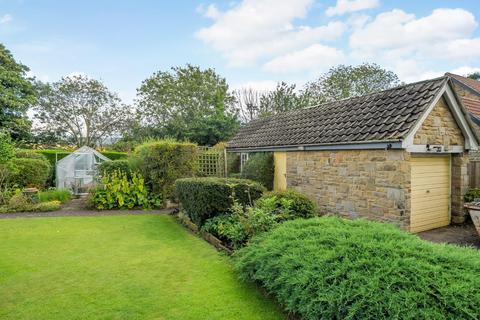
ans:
(347, 6)
(6, 19)
(255, 29)
(313, 58)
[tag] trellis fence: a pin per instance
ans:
(212, 162)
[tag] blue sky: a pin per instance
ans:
(251, 43)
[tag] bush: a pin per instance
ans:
(117, 191)
(54, 194)
(53, 205)
(472, 194)
(331, 268)
(7, 149)
(260, 168)
(31, 172)
(108, 167)
(203, 198)
(288, 204)
(164, 161)
(29, 154)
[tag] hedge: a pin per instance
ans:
(299, 204)
(331, 268)
(108, 167)
(31, 172)
(161, 162)
(52, 156)
(260, 167)
(203, 198)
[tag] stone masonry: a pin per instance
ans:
(440, 128)
(459, 186)
(374, 184)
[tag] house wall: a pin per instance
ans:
(460, 185)
(440, 127)
(374, 184)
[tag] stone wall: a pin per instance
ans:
(460, 185)
(440, 127)
(355, 183)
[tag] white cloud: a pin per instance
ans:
(255, 29)
(6, 18)
(316, 57)
(346, 6)
(465, 70)
(266, 85)
(415, 47)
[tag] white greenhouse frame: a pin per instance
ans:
(76, 172)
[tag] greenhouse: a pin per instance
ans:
(76, 172)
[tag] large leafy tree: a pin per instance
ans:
(343, 82)
(16, 95)
(81, 110)
(187, 103)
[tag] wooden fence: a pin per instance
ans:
(212, 162)
(474, 174)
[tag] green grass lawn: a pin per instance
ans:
(118, 267)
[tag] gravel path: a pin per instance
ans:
(77, 207)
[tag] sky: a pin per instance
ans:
(252, 43)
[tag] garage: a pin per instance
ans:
(430, 202)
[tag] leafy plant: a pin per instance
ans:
(332, 268)
(472, 194)
(117, 191)
(203, 198)
(288, 204)
(260, 168)
(162, 162)
(54, 194)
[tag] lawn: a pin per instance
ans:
(118, 267)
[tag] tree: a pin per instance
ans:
(16, 95)
(283, 98)
(474, 76)
(187, 103)
(343, 82)
(82, 109)
(247, 102)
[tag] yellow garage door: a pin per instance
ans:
(280, 177)
(430, 193)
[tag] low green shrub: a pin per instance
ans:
(240, 225)
(331, 268)
(288, 204)
(53, 205)
(203, 198)
(19, 203)
(55, 194)
(117, 191)
(260, 168)
(472, 194)
(108, 167)
(31, 172)
(162, 162)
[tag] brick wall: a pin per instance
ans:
(355, 183)
(440, 128)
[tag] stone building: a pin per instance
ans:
(397, 156)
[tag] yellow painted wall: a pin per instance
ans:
(430, 199)
(280, 177)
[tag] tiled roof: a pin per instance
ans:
(473, 106)
(385, 116)
(473, 84)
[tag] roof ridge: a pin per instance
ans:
(465, 83)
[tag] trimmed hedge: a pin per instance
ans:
(161, 162)
(31, 172)
(260, 168)
(203, 198)
(331, 268)
(108, 167)
(51, 154)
